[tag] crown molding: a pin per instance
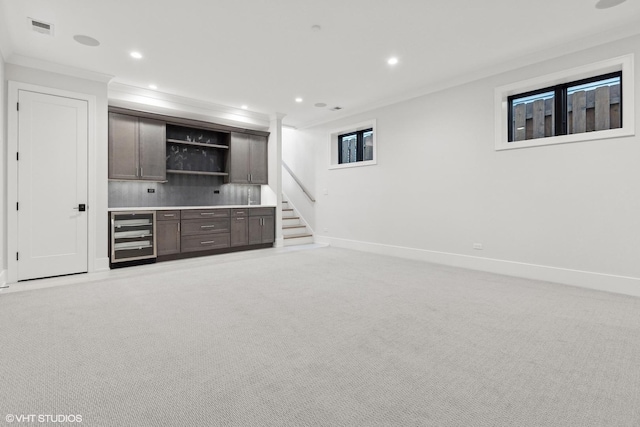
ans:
(132, 97)
(52, 67)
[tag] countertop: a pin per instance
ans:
(174, 208)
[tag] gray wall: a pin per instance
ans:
(568, 213)
(181, 190)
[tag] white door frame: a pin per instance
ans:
(12, 171)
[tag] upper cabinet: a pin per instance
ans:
(136, 148)
(150, 147)
(247, 159)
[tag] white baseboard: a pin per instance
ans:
(101, 264)
(585, 279)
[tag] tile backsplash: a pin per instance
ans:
(181, 190)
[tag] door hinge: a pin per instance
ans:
(17, 256)
(17, 155)
(17, 206)
(18, 106)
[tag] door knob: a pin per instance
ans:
(81, 207)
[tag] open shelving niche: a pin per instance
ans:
(192, 151)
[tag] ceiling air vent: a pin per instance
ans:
(336, 108)
(41, 27)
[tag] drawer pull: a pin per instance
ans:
(207, 213)
(168, 214)
(207, 226)
(208, 242)
(239, 219)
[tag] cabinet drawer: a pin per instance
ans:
(204, 226)
(204, 213)
(205, 242)
(167, 215)
(261, 211)
(239, 212)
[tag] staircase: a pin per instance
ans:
(294, 231)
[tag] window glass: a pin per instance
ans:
(594, 106)
(533, 116)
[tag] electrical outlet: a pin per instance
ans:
(216, 191)
(477, 246)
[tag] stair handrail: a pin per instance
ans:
(300, 184)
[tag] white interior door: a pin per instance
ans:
(52, 184)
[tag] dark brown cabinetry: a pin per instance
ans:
(168, 232)
(247, 162)
(262, 226)
(204, 229)
(239, 227)
(136, 148)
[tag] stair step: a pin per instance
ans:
(286, 227)
(297, 236)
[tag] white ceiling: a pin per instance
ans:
(264, 53)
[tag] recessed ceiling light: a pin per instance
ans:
(392, 61)
(316, 28)
(136, 55)
(298, 100)
(320, 104)
(606, 4)
(86, 40)
(244, 107)
(152, 86)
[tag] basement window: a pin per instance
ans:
(588, 105)
(583, 104)
(353, 146)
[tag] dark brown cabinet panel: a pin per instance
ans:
(168, 237)
(239, 231)
(123, 148)
(205, 226)
(205, 242)
(168, 232)
(136, 148)
(152, 150)
(258, 159)
(248, 159)
(262, 226)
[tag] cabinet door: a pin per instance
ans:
(255, 230)
(268, 229)
(123, 146)
(152, 143)
(238, 164)
(258, 159)
(239, 231)
(168, 237)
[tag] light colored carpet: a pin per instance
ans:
(324, 337)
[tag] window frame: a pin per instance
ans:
(560, 100)
(359, 134)
(335, 154)
(572, 77)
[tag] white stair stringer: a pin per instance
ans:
(294, 230)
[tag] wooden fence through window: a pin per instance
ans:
(588, 111)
